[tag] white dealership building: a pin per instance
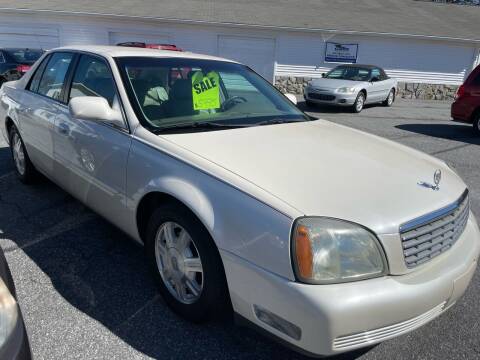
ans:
(429, 47)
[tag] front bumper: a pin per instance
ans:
(343, 317)
(329, 97)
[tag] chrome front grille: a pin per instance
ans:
(428, 236)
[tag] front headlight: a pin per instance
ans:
(346, 90)
(327, 250)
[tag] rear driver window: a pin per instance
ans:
(38, 75)
(53, 77)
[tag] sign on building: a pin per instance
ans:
(341, 53)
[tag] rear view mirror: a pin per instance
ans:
(292, 98)
(94, 108)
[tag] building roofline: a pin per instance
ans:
(232, 24)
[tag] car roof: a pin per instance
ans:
(362, 66)
(126, 51)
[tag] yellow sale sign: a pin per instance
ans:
(206, 91)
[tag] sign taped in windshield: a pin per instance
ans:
(206, 91)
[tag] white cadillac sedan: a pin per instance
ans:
(328, 238)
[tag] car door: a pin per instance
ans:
(378, 86)
(93, 154)
(39, 106)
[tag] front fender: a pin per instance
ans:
(238, 223)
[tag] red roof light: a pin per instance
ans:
(169, 47)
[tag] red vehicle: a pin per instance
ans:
(466, 107)
(170, 47)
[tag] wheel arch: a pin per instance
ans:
(8, 124)
(196, 203)
(475, 113)
(364, 91)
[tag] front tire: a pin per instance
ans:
(359, 103)
(186, 264)
(24, 168)
(390, 98)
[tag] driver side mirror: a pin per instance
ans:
(94, 108)
(375, 79)
(292, 98)
(323, 75)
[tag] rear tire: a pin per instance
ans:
(476, 123)
(24, 168)
(390, 98)
(359, 103)
(190, 278)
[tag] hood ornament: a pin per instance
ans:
(437, 177)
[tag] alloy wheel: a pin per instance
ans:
(18, 153)
(359, 103)
(179, 263)
(390, 98)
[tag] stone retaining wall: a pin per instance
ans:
(426, 91)
(295, 85)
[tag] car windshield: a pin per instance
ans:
(24, 56)
(349, 73)
(179, 92)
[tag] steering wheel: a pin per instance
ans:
(231, 102)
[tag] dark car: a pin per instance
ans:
(14, 342)
(466, 107)
(14, 62)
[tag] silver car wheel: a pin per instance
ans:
(179, 263)
(390, 98)
(359, 103)
(18, 153)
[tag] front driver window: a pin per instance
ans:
(93, 78)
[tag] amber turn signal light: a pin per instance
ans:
(303, 252)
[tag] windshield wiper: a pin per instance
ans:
(196, 126)
(279, 121)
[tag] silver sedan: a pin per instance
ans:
(352, 86)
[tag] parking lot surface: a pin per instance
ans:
(86, 293)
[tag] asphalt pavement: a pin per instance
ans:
(86, 293)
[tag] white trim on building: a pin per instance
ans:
(271, 51)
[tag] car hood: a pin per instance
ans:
(334, 83)
(324, 169)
